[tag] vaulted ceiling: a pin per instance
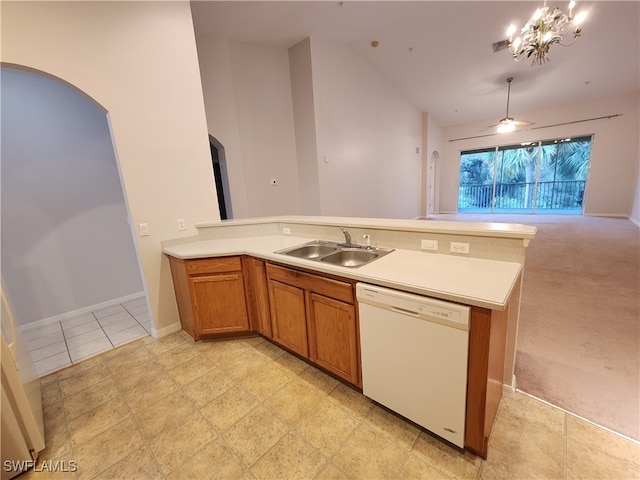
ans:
(439, 53)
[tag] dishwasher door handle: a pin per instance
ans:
(404, 311)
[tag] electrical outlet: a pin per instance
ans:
(459, 247)
(429, 244)
(286, 231)
(181, 226)
(144, 229)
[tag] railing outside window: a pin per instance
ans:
(549, 195)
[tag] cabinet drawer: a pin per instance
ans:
(285, 275)
(213, 265)
(329, 287)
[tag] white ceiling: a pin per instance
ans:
(439, 52)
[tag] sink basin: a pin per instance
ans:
(339, 254)
(311, 251)
(350, 258)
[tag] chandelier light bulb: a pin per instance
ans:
(516, 44)
(580, 18)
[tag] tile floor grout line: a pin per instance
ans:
(64, 337)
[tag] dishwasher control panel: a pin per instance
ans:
(428, 308)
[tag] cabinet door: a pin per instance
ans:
(333, 337)
(219, 303)
(288, 316)
(257, 293)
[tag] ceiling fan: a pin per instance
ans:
(509, 124)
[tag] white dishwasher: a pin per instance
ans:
(414, 357)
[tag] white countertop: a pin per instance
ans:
(472, 281)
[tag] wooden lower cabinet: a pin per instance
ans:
(487, 338)
(257, 295)
(288, 314)
(219, 304)
(315, 317)
(211, 296)
(333, 337)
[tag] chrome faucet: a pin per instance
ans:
(347, 237)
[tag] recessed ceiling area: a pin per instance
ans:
(439, 53)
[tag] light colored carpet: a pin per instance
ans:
(579, 334)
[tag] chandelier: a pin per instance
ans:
(546, 27)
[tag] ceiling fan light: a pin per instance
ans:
(506, 127)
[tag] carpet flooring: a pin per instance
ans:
(578, 341)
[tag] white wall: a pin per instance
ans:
(65, 235)
(305, 127)
(262, 89)
(138, 60)
(432, 146)
(222, 115)
(615, 156)
(635, 212)
(247, 92)
(367, 134)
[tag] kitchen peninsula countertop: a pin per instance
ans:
(471, 281)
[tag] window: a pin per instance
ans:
(545, 176)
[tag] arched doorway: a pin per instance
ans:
(219, 161)
(67, 244)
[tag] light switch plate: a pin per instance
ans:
(429, 244)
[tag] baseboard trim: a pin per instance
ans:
(509, 390)
(164, 331)
(80, 311)
(611, 215)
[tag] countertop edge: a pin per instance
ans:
(483, 229)
(354, 274)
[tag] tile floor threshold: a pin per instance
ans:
(58, 345)
(171, 408)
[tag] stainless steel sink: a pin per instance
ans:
(339, 254)
(311, 251)
(351, 258)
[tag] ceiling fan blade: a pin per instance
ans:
(517, 123)
(522, 123)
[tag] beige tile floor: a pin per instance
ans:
(245, 409)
